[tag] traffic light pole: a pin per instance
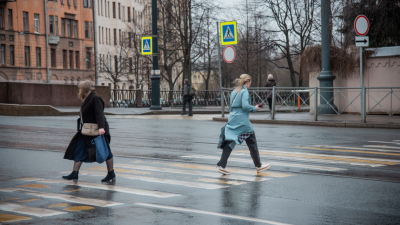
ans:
(155, 79)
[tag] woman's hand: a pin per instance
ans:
(258, 108)
(101, 131)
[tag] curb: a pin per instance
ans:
(319, 123)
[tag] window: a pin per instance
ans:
(64, 58)
(115, 36)
(98, 7)
(109, 36)
(69, 2)
(71, 59)
(88, 60)
(75, 29)
(91, 30)
(116, 63)
(102, 35)
(12, 62)
(99, 33)
(108, 9)
(62, 27)
(53, 57)
(27, 56)
(129, 14)
(86, 29)
(10, 19)
(56, 22)
(85, 3)
(130, 65)
(113, 9)
(3, 54)
(25, 19)
(69, 28)
(38, 57)
(75, 3)
(120, 37)
(123, 13)
(101, 3)
(90, 3)
(76, 60)
(2, 22)
(51, 23)
(36, 22)
(119, 10)
(130, 39)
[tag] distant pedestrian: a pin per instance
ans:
(239, 128)
(187, 98)
(81, 148)
(270, 83)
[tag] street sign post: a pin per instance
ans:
(228, 33)
(146, 44)
(229, 54)
(361, 26)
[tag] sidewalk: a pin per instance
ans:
(305, 118)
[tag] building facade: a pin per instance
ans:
(23, 41)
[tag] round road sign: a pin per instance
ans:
(229, 54)
(361, 25)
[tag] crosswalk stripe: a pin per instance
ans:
(273, 163)
(30, 179)
(379, 146)
(209, 213)
(355, 151)
(352, 148)
(27, 210)
(161, 180)
(386, 142)
(9, 218)
(64, 197)
(248, 172)
(135, 191)
(192, 172)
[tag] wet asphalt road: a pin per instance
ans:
(166, 174)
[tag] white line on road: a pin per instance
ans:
(135, 191)
(379, 146)
(273, 163)
(26, 210)
(68, 198)
(29, 179)
(161, 180)
(192, 172)
(354, 148)
(385, 142)
(210, 213)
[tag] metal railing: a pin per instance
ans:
(361, 101)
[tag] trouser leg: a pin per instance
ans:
(184, 107)
(190, 107)
(253, 148)
(226, 152)
(270, 103)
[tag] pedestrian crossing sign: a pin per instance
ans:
(228, 33)
(147, 48)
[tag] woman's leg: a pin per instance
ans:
(226, 152)
(77, 166)
(110, 164)
(253, 148)
(270, 103)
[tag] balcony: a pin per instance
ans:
(54, 39)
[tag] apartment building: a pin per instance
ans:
(23, 41)
(199, 83)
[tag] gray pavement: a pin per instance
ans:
(166, 174)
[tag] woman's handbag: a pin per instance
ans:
(102, 150)
(89, 129)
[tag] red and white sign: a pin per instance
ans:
(361, 25)
(229, 54)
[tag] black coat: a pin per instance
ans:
(270, 83)
(92, 112)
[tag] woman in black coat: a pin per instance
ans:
(270, 83)
(81, 148)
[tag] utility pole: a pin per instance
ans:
(155, 79)
(326, 77)
(220, 74)
(95, 44)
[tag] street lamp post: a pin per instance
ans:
(326, 77)
(155, 79)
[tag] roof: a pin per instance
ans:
(385, 51)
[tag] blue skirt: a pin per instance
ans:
(81, 154)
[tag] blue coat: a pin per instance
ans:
(238, 120)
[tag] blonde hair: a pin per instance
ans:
(270, 76)
(239, 82)
(85, 87)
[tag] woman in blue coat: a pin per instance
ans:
(239, 128)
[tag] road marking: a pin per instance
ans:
(192, 172)
(248, 172)
(352, 148)
(78, 208)
(135, 191)
(10, 199)
(59, 205)
(9, 218)
(231, 182)
(161, 180)
(343, 150)
(273, 163)
(32, 211)
(210, 213)
(119, 170)
(380, 146)
(73, 190)
(34, 186)
(169, 117)
(29, 179)
(385, 142)
(68, 198)
(29, 200)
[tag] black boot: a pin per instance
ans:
(72, 176)
(110, 177)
